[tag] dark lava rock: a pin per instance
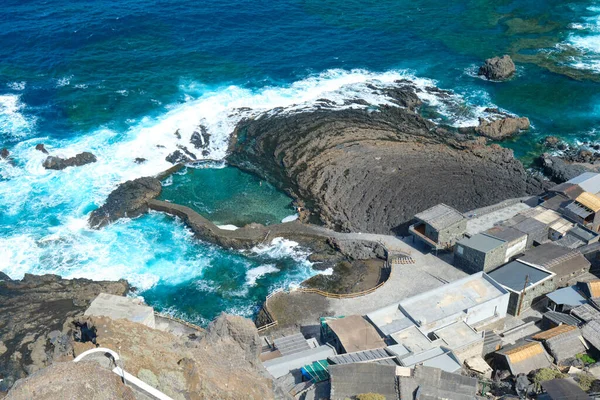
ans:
(41, 147)
(503, 128)
(498, 68)
(140, 160)
(551, 142)
(178, 157)
(38, 310)
(126, 201)
(201, 139)
(177, 134)
(373, 171)
(80, 159)
(559, 170)
(4, 153)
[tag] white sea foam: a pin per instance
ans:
(585, 37)
(64, 81)
(255, 273)
(12, 122)
(17, 85)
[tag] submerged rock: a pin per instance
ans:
(503, 128)
(41, 147)
(181, 156)
(200, 140)
(80, 159)
(498, 68)
(140, 160)
(4, 153)
(369, 171)
(128, 200)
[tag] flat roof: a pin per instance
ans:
(506, 233)
(282, 365)
(588, 181)
(583, 233)
(413, 340)
(529, 225)
(459, 334)
(389, 319)
(545, 255)
(356, 334)
(451, 298)
(482, 242)
(567, 296)
(513, 274)
(440, 216)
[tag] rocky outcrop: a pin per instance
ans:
(359, 249)
(221, 363)
(561, 169)
(498, 68)
(128, 200)
(41, 147)
(37, 311)
(502, 128)
(69, 380)
(201, 140)
(57, 163)
(366, 171)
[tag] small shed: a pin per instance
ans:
(591, 333)
(591, 288)
(524, 358)
(350, 380)
(353, 333)
(439, 226)
(551, 319)
(379, 356)
(562, 342)
(481, 252)
(562, 389)
(584, 210)
(565, 299)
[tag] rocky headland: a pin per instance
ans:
(370, 169)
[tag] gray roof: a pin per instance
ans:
(525, 357)
(435, 384)
(446, 362)
(506, 233)
(561, 318)
(560, 260)
(582, 233)
(588, 181)
(280, 366)
(567, 296)
(513, 274)
(379, 356)
(440, 216)
(569, 241)
(291, 344)
(565, 345)
(482, 242)
(591, 333)
(564, 389)
(586, 312)
(570, 190)
(557, 202)
(349, 380)
(579, 210)
(530, 225)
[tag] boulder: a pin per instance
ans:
(179, 157)
(140, 160)
(4, 153)
(201, 139)
(41, 147)
(69, 380)
(80, 159)
(498, 68)
(503, 128)
(128, 200)
(551, 142)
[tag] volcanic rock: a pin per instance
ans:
(503, 128)
(560, 170)
(140, 160)
(128, 200)
(36, 320)
(69, 380)
(80, 159)
(41, 147)
(367, 171)
(201, 139)
(498, 68)
(551, 142)
(4, 153)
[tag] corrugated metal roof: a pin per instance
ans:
(482, 242)
(506, 233)
(579, 210)
(585, 312)
(591, 333)
(281, 366)
(583, 233)
(376, 355)
(571, 190)
(435, 384)
(440, 216)
(561, 318)
(589, 200)
(513, 275)
(567, 296)
(550, 333)
(349, 380)
(594, 287)
(530, 225)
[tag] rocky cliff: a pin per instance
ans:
(371, 169)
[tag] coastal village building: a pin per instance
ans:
(562, 389)
(439, 227)
(552, 319)
(525, 282)
(588, 182)
(516, 241)
(353, 333)
(585, 313)
(435, 384)
(350, 380)
(585, 209)
(562, 342)
(564, 299)
(567, 264)
(481, 252)
(591, 333)
(523, 358)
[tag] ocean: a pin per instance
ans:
(119, 78)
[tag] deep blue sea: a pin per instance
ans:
(119, 78)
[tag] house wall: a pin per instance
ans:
(489, 311)
(531, 295)
(452, 233)
(474, 349)
(472, 260)
(515, 247)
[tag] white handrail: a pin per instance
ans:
(127, 377)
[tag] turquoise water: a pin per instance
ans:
(119, 78)
(228, 196)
